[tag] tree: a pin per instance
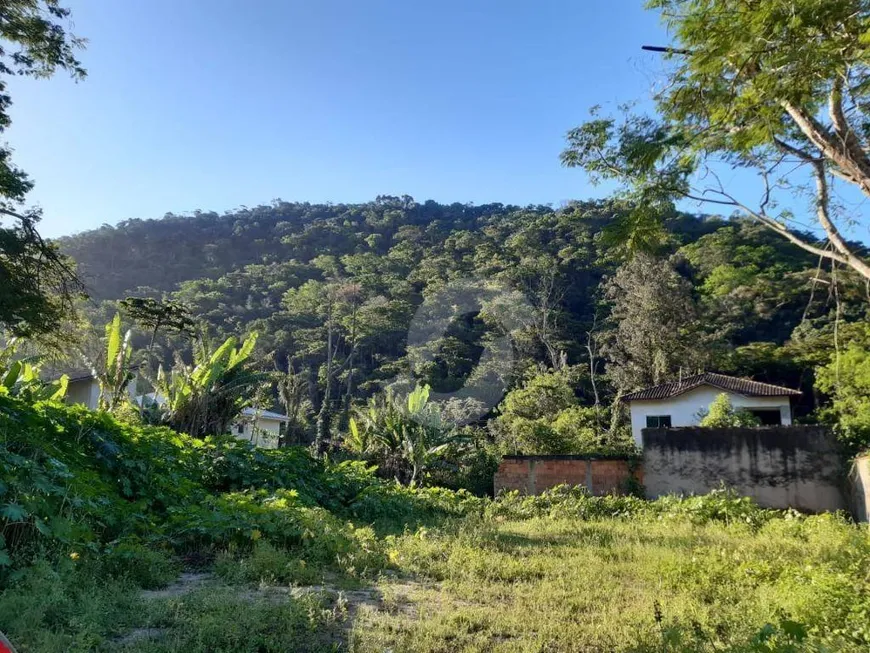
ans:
(846, 380)
(117, 373)
(205, 399)
(721, 414)
(653, 334)
(292, 390)
(154, 314)
(748, 86)
(39, 284)
(403, 433)
(19, 377)
(329, 310)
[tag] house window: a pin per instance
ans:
(240, 429)
(767, 417)
(658, 421)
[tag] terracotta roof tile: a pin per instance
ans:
(746, 387)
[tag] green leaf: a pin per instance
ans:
(13, 512)
(113, 339)
(61, 388)
(12, 375)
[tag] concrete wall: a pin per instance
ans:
(780, 467)
(534, 474)
(859, 486)
(684, 408)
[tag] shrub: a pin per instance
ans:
(721, 414)
(144, 567)
(266, 565)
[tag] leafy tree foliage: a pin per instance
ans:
(722, 414)
(778, 87)
(404, 433)
(544, 416)
(19, 377)
(39, 285)
(154, 314)
(205, 398)
(654, 333)
(116, 373)
(846, 378)
(723, 295)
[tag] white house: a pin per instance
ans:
(684, 402)
(84, 388)
(263, 428)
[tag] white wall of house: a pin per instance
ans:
(262, 433)
(684, 409)
(85, 392)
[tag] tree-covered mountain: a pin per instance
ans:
(719, 294)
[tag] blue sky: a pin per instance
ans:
(213, 104)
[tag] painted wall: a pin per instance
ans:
(85, 392)
(859, 482)
(533, 474)
(780, 467)
(684, 408)
(264, 433)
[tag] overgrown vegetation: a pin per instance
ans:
(145, 526)
(95, 512)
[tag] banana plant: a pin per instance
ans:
(117, 373)
(205, 398)
(20, 378)
(403, 434)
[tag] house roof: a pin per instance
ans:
(746, 387)
(265, 414)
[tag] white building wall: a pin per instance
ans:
(264, 433)
(684, 409)
(85, 392)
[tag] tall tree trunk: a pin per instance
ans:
(321, 438)
(345, 418)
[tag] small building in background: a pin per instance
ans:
(684, 402)
(84, 389)
(262, 428)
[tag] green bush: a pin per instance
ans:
(266, 565)
(74, 480)
(720, 505)
(144, 567)
(721, 414)
(846, 379)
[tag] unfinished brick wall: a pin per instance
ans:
(534, 474)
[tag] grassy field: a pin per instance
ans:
(629, 585)
(510, 580)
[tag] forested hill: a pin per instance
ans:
(713, 293)
(161, 253)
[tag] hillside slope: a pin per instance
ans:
(287, 270)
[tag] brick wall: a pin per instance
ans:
(534, 474)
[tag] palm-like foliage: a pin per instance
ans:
(205, 398)
(20, 377)
(404, 434)
(117, 372)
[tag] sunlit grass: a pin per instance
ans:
(629, 585)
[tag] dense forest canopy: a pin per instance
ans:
(718, 294)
